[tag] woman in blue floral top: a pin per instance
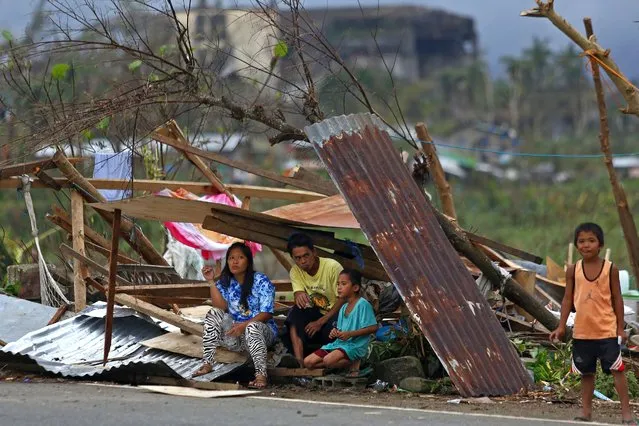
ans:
(242, 315)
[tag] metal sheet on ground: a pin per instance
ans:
(19, 317)
(403, 230)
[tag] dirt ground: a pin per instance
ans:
(537, 404)
(543, 405)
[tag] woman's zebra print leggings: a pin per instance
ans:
(256, 340)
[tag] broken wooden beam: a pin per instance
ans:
(153, 311)
(171, 130)
(113, 271)
(31, 166)
(262, 192)
(320, 185)
(77, 234)
(504, 248)
(58, 314)
(131, 233)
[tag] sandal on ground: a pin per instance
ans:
(260, 382)
(629, 422)
(582, 419)
(206, 368)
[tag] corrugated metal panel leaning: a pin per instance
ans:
(401, 227)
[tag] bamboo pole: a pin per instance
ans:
(77, 233)
(625, 216)
(131, 234)
(439, 177)
(113, 272)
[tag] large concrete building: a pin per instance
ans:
(412, 41)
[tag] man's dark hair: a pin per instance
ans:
(590, 227)
(353, 275)
(299, 240)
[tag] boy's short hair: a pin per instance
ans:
(353, 275)
(590, 227)
(299, 239)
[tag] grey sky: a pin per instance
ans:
(501, 30)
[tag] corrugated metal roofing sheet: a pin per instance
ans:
(401, 227)
(19, 316)
(74, 348)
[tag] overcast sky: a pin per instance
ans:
(501, 30)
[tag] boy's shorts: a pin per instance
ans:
(585, 354)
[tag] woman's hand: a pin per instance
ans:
(333, 334)
(209, 273)
(237, 330)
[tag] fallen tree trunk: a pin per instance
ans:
(510, 288)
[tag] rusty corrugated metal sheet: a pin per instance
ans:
(401, 227)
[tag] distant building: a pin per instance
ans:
(232, 40)
(412, 40)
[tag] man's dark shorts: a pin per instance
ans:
(300, 318)
(585, 354)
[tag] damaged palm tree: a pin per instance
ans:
(405, 234)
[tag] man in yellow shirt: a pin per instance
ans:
(314, 281)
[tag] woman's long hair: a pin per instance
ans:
(226, 275)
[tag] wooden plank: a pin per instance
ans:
(77, 233)
(504, 248)
(370, 270)
(522, 325)
(58, 314)
(261, 222)
(169, 381)
(161, 314)
(172, 130)
(321, 186)
(31, 166)
(66, 250)
(201, 291)
(122, 259)
(113, 273)
(131, 233)
(295, 372)
(61, 219)
(262, 192)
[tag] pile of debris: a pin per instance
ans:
(410, 246)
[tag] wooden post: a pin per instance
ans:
(131, 234)
(625, 216)
(77, 233)
(443, 187)
(607, 256)
(113, 272)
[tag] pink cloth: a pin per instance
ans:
(191, 234)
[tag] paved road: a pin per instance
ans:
(74, 404)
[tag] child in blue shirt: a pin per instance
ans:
(355, 325)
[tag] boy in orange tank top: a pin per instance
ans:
(592, 288)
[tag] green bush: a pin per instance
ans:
(605, 384)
